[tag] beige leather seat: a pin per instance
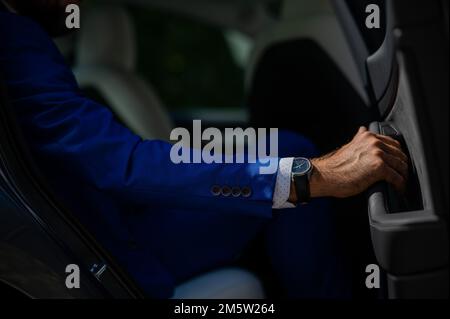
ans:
(105, 61)
(228, 283)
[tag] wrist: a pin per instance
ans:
(318, 183)
(322, 183)
(300, 175)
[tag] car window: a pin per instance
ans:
(189, 63)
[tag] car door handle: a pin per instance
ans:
(407, 235)
(393, 201)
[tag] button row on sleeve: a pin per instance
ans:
(227, 191)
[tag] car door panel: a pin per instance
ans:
(408, 80)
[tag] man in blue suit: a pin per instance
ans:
(166, 223)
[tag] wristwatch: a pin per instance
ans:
(302, 170)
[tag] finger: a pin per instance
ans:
(392, 177)
(397, 164)
(389, 140)
(394, 151)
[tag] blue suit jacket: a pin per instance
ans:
(101, 168)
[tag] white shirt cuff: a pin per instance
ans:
(283, 185)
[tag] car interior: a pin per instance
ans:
(279, 58)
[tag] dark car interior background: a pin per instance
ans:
(182, 66)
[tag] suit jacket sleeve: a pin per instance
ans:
(80, 137)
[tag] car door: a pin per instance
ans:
(406, 75)
(41, 244)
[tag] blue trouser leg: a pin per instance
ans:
(300, 242)
(304, 252)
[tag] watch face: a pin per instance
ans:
(301, 166)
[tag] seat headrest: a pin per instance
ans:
(314, 20)
(107, 38)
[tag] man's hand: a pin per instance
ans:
(367, 159)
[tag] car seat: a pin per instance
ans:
(105, 61)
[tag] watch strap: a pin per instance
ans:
(302, 189)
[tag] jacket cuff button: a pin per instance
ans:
(226, 191)
(246, 192)
(236, 192)
(215, 190)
